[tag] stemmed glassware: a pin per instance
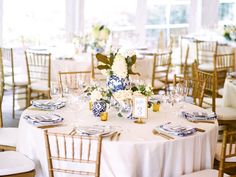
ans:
(55, 91)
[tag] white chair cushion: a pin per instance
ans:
(219, 102)
(157, 84)
(218, 152)
(19, 80)
(12, 162)
(209, 67)
(204, 173)
(39, 85)
(221, 91)
(226, 113)
(8, 136)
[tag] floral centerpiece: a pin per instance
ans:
(100, 35)
(117, 66)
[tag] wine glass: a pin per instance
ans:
(54, 91)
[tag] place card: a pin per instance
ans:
(140, 108)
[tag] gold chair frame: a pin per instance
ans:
(228, 150)
(196, 88)
(3, 147)
(73, 159)
(70, 78)
(35, 59)
(8, 53)
(95, 72)
(161, 60)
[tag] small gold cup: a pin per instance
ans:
(155, 107)
(103, 116)
(90, 105)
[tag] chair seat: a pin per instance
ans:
(221, 91)
(208, 67)
(226, 113)
(207, 102)
(8, 136)
(40, 86)
(157, 84)
(218, 152)
(204, 173)
(20, 80)
(12, 162)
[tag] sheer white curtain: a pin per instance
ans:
(74, 18)
(203, 14)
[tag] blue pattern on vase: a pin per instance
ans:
(98, 107)
(114, 83)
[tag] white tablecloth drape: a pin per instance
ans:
(229, 93)
(138, 153)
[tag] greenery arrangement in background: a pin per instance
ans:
(230, 32)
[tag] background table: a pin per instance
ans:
(229, 93)
(138, 152)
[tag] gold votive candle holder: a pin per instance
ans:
(104, 116)
(90, 105)
(155, 107)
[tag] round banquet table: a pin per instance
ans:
(138, 152)
(229, 93)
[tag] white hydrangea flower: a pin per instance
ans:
(137, 93)
(122, 95)
(126, 52)
(105, 72)
(96, 95)
(119, 66)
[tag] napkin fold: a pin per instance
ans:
(93, 130)
(175, 129)
(43, 119)
(201, 116)
(48, 105)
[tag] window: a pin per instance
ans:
(169, 17)
(38, 22)
(119, 16)
(227, 10)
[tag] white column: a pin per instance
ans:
(1, 22)
(203, 14)
(74, 18)
(141, 16)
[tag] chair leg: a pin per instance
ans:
(28, 97)
(13, 102)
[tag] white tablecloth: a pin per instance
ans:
(138, 152)
(229, 93)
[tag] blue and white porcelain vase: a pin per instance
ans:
(98, 107)
(115, 83)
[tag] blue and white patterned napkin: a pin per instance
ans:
(43, 119)
(48, 105)
(175, 129)
(195, 116)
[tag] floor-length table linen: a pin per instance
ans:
(138, 153)
(229, 93)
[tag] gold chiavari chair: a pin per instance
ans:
(73, 80)
(160, 70)
(96, 73)
(205, 51)
(7, 135)
(226, 155)
(17, 82)
(195, 88)
(39, 73)
(15, 164)
(77, 150)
